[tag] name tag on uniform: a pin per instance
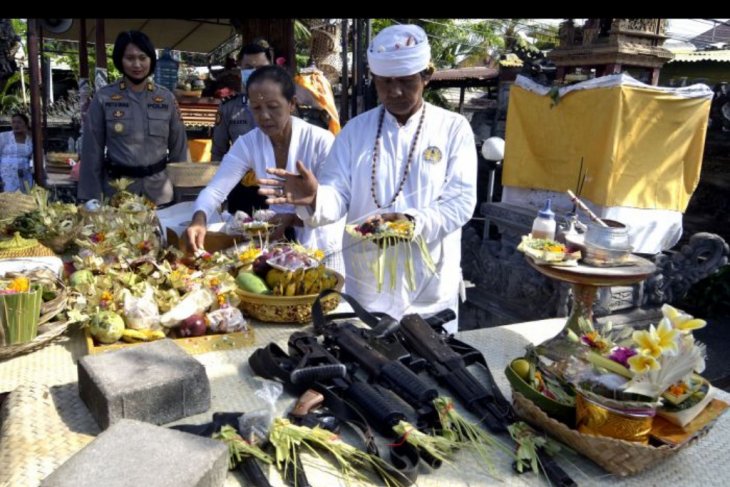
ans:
(239, 122)
(158, 106)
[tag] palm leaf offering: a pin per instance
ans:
(290, 440)
(456, 428)
(391, 237)
(238, 448)
(545, 251)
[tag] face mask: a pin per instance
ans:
(245, 74)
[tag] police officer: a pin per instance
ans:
(133, 128)
(234, 119)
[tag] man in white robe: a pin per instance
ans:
(404, 159)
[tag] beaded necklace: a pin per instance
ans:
(408, 162)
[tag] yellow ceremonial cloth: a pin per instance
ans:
(641, 148)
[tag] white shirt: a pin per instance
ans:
(440, 193)
(253, 150)
(14, 156)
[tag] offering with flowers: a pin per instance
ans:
(627, 376)
(20, 310)
(546, 251)
(391, 238)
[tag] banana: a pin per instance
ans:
(145, 335)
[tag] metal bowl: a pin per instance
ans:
(614, 237)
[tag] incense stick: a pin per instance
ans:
(583, 207)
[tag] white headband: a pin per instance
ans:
(399, 50)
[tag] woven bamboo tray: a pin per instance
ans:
(189, 93)
(191, 174)
(616, 456)
(192, 345)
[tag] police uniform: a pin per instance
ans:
(233, 120)
(140, 131)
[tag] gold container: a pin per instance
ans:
(596, 419)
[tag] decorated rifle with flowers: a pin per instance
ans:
(447, 360)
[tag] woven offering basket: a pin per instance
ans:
(60, 242)
(287, 309)
(616, 456)
(15, 204)
(48, 330)
(191, 174)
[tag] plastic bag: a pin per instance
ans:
(195, 302)
(141, 312)
(226, 320)
(255, 424)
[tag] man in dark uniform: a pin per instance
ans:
(133, 127)
(235, 119)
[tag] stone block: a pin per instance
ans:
(155, 382)
(136, 453)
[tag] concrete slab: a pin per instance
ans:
(156, 382)
(133, 453)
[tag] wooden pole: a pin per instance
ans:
(35, 102)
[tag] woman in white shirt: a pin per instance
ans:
(16, 151)
(279, 141)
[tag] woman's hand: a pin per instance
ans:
(284, 221)
(294, 189)
(195, 233)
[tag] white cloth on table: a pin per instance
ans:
(650, 230)
(309, 144)
(440, 193)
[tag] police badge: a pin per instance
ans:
(432, 154)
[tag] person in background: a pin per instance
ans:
(279, 140)
(133, 128)
(235, 119)
(406, 159)
(16, 153)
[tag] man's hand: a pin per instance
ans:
(294, 189)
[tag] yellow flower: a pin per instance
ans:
(681, 320)
(106, 296)
(648, 342)
(19, 285)
(641, 363)
(656, 341)
(667, 336)
(249, 255)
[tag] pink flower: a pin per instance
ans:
(622, 355)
